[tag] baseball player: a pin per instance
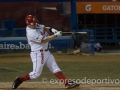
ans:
(85, 48)
(38, 37)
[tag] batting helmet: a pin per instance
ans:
(31, 20)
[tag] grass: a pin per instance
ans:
(72, 70)
(73, 66)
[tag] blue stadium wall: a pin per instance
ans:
(19, 44)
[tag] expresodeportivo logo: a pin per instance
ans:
(14, 46)
(88, 7)
(84, 80)
(111, 7)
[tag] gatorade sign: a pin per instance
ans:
(98, 7)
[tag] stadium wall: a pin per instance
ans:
(18, 10)
(20, 44)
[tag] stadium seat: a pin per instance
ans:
(19, 32)
(9, 24)
(3, 32)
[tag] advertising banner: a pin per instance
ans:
(97, 7)
(20, 44)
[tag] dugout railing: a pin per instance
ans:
(101, 35)
(106, 35)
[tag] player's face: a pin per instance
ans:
(34, 26)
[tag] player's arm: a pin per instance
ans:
(50, 30)
(35, 37)
(49, 38)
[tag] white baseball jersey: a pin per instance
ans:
(39, 55)
(35, 36)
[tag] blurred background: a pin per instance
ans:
(101, 16)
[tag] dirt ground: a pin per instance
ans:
(48, 86)
(59, 58)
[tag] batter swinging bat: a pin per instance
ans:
(74, 32)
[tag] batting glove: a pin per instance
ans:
(54, 30)
(58, 33)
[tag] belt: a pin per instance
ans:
(42, 50)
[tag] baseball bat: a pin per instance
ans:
(74, 32)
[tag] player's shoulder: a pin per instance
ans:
(28, 29)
